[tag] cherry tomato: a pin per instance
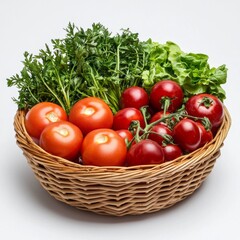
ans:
(158, 116)
(42, 114)
(91, 113)
(145, 152)
(206, 105)
(124, 117)
(159, 133)
(166, 92)
(206, 135)
(62, 139)
(125, 134)
(187, 135)
(103, 147)
(135, 97)
(171, 152)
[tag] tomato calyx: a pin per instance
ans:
(206, 101)
(206, 123)
(165, 103)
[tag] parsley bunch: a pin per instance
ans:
(84, 63)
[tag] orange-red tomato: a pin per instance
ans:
(62, 139)
(91, 113)
(103, 147)
(41, 115)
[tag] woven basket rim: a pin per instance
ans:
(185, 161)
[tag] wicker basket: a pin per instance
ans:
(120, 190)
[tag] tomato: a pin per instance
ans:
(135, 97)
(166, 93)
(103, 147)
(91, 113)
(125, 134)
(206, 135)
(158, 116)
(159, 133)
(145, 152)
(124, 117)
(171, 152)
(206, 105)
(42, 114)
(187, 135)
(62, 139)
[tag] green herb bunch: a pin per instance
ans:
(94, 62)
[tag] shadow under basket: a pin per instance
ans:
(120, 191)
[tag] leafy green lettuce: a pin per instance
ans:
(190, 70)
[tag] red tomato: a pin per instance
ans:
(91, 113)
(171, 152)
(62, 139)
(42, 114)
(159, 132)
(166, 92)
(206, 105)
(187, 135)
(135, 97)
(158, 116)
(206, 135)
(124, 117)
(125, 134)
(145, 152)
(103, 147)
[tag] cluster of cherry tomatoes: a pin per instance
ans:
(148, 129)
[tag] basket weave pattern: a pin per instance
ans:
(120, 190)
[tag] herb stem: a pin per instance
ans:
(118, 60)
(52, 92)
(65, 95)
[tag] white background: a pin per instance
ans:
(206, 26)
